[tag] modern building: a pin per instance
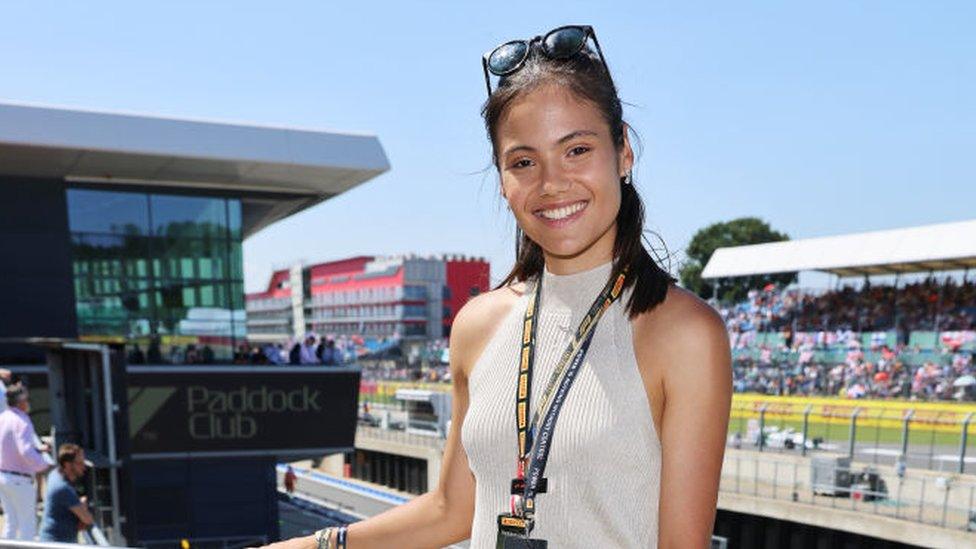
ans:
(128, 228)
(121, 242)
(390, 298)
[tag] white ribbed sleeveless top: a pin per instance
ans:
(605, 461)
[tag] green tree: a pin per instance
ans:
(737, 232)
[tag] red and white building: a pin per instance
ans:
(401, 297)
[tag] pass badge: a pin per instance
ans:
(513, 534)
(518, 486)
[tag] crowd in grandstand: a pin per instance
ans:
(856, 377)
(856, 343)
(924, 305)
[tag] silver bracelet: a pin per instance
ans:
(323, 538)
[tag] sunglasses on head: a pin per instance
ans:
(559, 43)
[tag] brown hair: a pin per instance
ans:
(68, 453)
(585, 76)
(16, 393)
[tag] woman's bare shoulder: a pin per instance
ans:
(683, 326)
(478, 320)
(682, 307)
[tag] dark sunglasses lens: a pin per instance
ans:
(564, 42)
(506, 57)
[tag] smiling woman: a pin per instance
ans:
(623, 444)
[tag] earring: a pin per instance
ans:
(627, 179)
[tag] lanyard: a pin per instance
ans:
(544, 420)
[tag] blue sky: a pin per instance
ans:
(822, 119)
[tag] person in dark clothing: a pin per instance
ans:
(154, 356)
(295, 355)
(64, 512)
(207, 354)
(136, 356)
(320, 350)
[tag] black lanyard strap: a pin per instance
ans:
(562, 378)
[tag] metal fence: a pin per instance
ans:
(240, 542)
(921, 496)
(940, 437)
(89, 536)
(14, 544)
(399, 437)
(925, 435)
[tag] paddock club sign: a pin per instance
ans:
(241, 410)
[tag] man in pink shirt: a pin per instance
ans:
(20, 460)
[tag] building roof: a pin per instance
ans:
(941, 247)
(291, 169)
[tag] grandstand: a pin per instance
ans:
(914, 338)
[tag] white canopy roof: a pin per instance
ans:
(941, 247)
(292, 168)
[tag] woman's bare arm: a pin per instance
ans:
(686, 345)
(442, 516)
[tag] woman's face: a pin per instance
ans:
(560, 173)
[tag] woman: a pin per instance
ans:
(589, 410)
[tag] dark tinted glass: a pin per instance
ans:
(564, 42)
(161, 273)
(507, 57)
(237, 298)
(188, 216)
(234, 217)
(92, 211)
(236, 260)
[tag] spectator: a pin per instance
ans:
(272, 353)
(191, 355)
(20, 460)
(290, 479)
(154, 355)
(136, 356)
(295, 355)
(64, 512)
(5, 378)
(308, 350)
(241, 355)
(207, 354)
(330, 356)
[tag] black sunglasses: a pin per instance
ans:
(559, 43)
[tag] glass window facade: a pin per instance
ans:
(162, 273)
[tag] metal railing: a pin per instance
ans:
(237, 542)
(942, 440)
(91, 536)
(918, 496)
(15, 544)
(399, 437)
